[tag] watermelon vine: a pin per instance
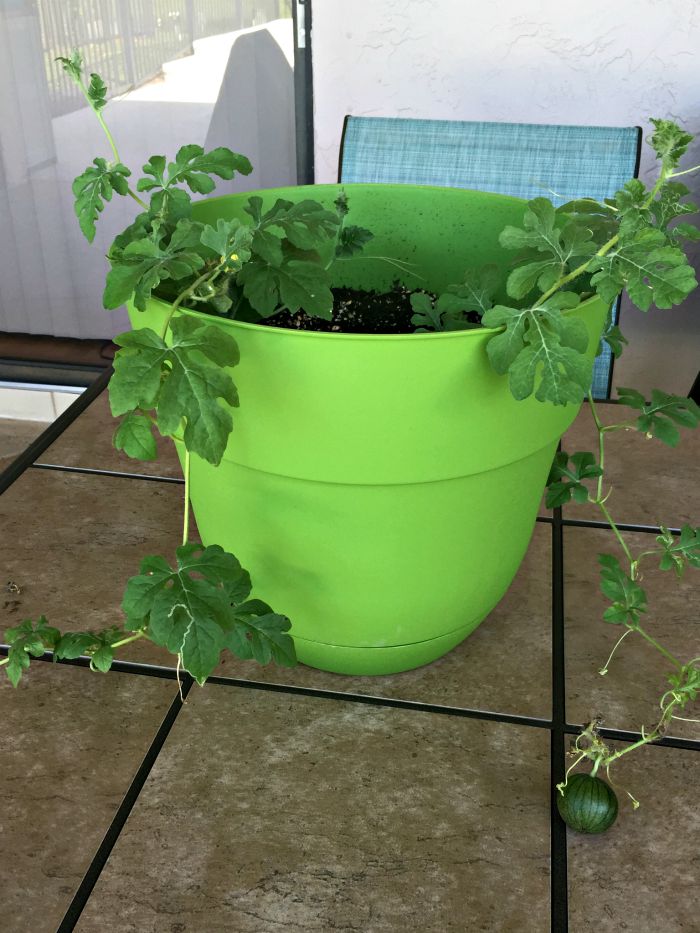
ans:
(177, 383)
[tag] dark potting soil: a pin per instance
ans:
(357, 312)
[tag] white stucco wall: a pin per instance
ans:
(544, 62)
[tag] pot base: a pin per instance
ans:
(392, 659)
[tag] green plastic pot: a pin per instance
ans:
(382, 490)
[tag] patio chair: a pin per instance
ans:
(526, 160)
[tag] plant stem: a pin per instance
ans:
(606, 247)
(686, 171)
(154, 422)
(604, 669)
(608, 517)
(608, 428)
(205, 276)
(100, 119)
(652, 641)
(660, 181)
(110, 139)
(601, 444)
(579, 270)
(399, 263)
(125, 641)
(569, 770)
(652, 736)
(132, 194)
(186, 521)
(599, 492)
(4, 661)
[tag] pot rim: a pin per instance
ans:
(473, 333)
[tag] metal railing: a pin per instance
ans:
(127, 41)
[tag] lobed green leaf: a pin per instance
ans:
(426, 317)
(478, 289)
(679, 552)
(28, 640)
(669, 205)
(669, 142)
(193, 167)
(565, 481)
(135, 437)
(93, 188)
(179, 382)
(661, 415)
(97, 92)
(197, 608)
(142, 265)
(650, 269)
(628, 598)
(73, 65)
(541, 349)
(258, 633)
(306, 224)
(615, 339)
(352, 240)
(231, 241)
(294, 284)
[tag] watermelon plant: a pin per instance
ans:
(280, 260)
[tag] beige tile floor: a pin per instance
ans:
(643, 875)
(71, 745)
(15, 436)
(267, 810)
(322, 815)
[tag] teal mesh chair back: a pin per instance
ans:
(526, 160)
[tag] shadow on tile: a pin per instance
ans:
(642, 875)
(270, 812)
(72, 742)
(627, 696)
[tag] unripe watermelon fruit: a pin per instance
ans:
(588, 804)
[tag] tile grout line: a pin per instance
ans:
(558, 844)
(593, 523)
(163, 672)
(170, 673)
(623, 526)
(624, 735)
(99, 860)
(113, 474)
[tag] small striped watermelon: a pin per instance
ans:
(588, 804)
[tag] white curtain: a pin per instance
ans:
(213, 72)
